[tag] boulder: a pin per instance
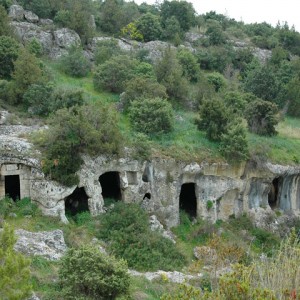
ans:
(48, 244)
(30, 16)
(65, 38)
(155, 225)
(16, 13)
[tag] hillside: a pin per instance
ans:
(140, 138)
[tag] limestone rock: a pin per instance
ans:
(3, 116)
(46, 22)
(28, 31)
(193, 36)
(30, 16)
(155, 225)
(262, 54)
(176, 277)
(16, 12)
(48, 244)
(33, 297)
(65, 38)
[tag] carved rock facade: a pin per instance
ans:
(161, 186)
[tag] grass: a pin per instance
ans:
(186, 142)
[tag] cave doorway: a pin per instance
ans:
(273, 194)
(12, 186)
(77, 202)
(188, 199)
(111, 186)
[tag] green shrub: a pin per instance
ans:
(151, 116)
(234, 144)
(214, 118)
(262, 117)
(38, 98)
(217, 80)
(126, 229)
(14, 269)
(83, 218)
(105, 49)
(8, 54)
(25, 207)
(86, 273)
(209, 204)
(91, 129)
(6, 206)
(112, 75)
(35, 47)
(75, 63)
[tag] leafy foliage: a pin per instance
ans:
(149, 26)
(214, 118)
(86, 273)
(130, 237)
(261, 117)
(90, 129)
(8, 54)
(151, 116)
(75, 63)
(5, 28)
(14, 268)
(111, 75)
(105, 49)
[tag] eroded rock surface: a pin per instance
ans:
(48, 244)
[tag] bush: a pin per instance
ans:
(126, 228)
(106, 49)
(142, 87)
(86, 273)
(151, 116)
(5, 28)
(8, 54)
(6, 206)
(14, 269)
(35, 47)
(262, 117)
(38, 98)
(75, 63)
(214, 118)
(234, 145)
(217, 80)
(112, 75)
(91, 129)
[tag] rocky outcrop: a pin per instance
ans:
(48, 244)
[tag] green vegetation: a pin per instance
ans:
(86, 273)
(14, 268)
(126, 230)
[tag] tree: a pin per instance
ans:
(151, 116)
(112, 75)
(215, 34)
(235, 101)
(90, 129)
(169, 73)
(27, 71)
(189, 64)
(5, 28)
(75, 63)
(142, 87)
(105, 49)
(8, 54)
(217, 80)
(14, 269)
(149, 26)
(214, 118)
(293, 97)
(172, 30)
(5, 3)
(234, 145)
(182, 10)
(262, 117)
(262, 82)
(87, 273)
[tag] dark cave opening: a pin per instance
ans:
(77, 202)
(147, 195)
(110, 184)
(273, 194)
(12, 187)
(188, 199)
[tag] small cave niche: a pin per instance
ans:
(77, 202)
(188, 199)
(273, 194)
(147, 195)
(12, 187)
(110, 184)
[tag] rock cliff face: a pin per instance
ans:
(161, 186)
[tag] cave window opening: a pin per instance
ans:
(273, 194)
(111, 187)
(77, 202)
(147, 195)
(12, 187)
(188, 199)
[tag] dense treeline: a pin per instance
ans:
(218, 74)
